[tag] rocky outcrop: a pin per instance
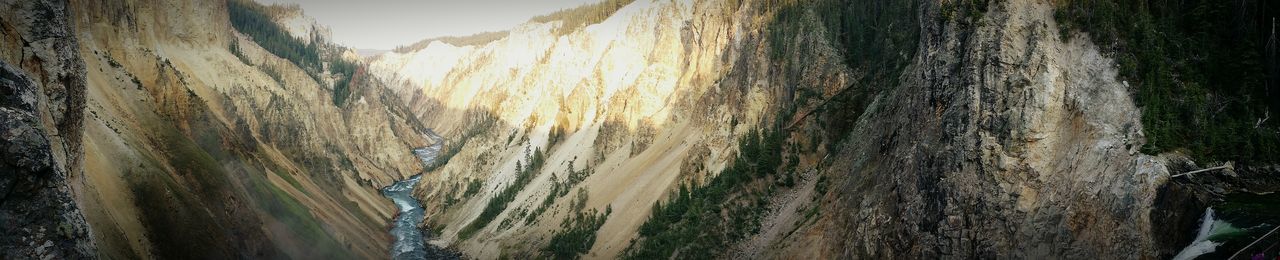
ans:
(41, 102)
(297, 23)
(1003, 140)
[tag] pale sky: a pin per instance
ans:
(384, 24)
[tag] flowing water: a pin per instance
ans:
(1240, 224)
(428, 154)
(1202, 245)
(410, 243)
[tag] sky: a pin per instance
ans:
(385, 24)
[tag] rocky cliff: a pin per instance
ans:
(196, 141)
(43, 88)
(622, 129)
(1002, 140)
(634, 105)
(1007, 139)
(947, 129)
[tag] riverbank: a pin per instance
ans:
(410, 238)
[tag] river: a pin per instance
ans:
(410, 242)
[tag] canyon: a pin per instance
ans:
(821, 129)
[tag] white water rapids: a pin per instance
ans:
(409, 241)
(1202, 245)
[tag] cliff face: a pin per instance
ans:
(642, 101)
(42, 88)
(999, 139)
(195, 149)
(1003, 140)
(173, 135)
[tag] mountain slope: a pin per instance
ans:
(637, 129)
(194, 147)
(636, 102)
(861, 129)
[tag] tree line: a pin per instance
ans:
(701, 221)
(499, 202)
(578, 233)
(254, 20)
(1202, 71)
(582, 16)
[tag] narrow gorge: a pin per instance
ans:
(639, 129)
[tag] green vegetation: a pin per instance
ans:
(559, 189)
(1201, 71)
(342, 86)
(574, 19)
(877, 39)
(514, 217)
(558, 134)
(186, 211)
(253, 19)
(469, 40)
(876, 36)
(288, 177)
(169, 202)
(571, 179)
(700, 222)
(582, 16)
(970, 10)
(235, 50)
(499, 201)
(577, 234)
(546, 203)
(274, 74)
(473, 187)
(451, 197)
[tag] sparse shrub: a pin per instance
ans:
(499, 201)
(701, 221)
(577, 234)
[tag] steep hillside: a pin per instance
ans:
(200, 142)
(1002, 140)
(812, 129)
(627, 110)
(826, 128)
(607, 118)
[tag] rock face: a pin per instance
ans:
(189, 149)
(999, 139)
(196, 148)
(41, 102)
(644, 100)
(40, 217)
(1002, 141)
